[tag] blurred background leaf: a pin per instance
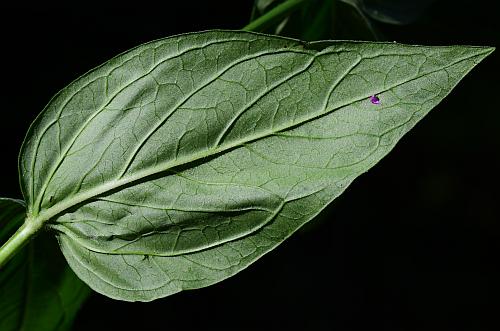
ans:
(38, 290)
(340, 19)
(319, 20)
(392, 11)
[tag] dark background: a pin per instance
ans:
(411, 245)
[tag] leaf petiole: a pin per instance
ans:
(20, 238)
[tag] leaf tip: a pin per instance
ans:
(486, 50)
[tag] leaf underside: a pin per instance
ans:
(179, 163)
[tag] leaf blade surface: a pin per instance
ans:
(179, 163)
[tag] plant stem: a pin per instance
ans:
(18, 240)
(273, 15)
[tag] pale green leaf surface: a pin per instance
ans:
(179, 163)
(38, 290)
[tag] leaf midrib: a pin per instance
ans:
(58, 208)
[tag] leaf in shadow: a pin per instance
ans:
(38, 290)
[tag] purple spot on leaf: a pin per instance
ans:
(375, 100)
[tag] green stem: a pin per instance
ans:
(273, 15)
(18, 240)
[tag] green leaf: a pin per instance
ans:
(272, 16)
(352, 23)
(38, 291)
(318, 20)
(179, 163)
(392, 11)
(314, 20)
